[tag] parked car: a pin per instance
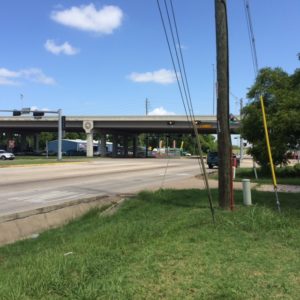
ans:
(213, 160)
(6, 155)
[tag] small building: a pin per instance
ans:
(76, 147)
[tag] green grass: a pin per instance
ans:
(163, 245)
(38, 160)
(265, 179)
(248, 173)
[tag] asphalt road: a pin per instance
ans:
(28, 187)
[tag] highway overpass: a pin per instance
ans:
(125, 126)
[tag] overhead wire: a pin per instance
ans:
(251, 37)
(184, 87)
(189, 100)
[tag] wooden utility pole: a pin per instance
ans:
(224, 141)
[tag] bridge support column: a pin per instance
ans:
(88, 127)
(125, 145)
(103, 145)
(134, 145)
(23, 145)
(89, 144)
(115, 145)
(37, 142)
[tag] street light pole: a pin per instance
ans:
(59, 154)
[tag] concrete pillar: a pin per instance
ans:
(147, 145)
(37, 142)
(88, 128)
(115, 145)
(134, 145)
(23, 145)
(89, 144)
(174, 144)
(103, 145)
(125, 145)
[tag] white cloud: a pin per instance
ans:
(37, 75)
(8, 77)
(8, 74)
(64, 48)
(160, 111)
(88, 18)
(41, 109)
(161, 76)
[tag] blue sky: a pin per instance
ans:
(107, 57)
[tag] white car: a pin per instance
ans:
(6, 155)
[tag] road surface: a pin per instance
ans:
(29, 187)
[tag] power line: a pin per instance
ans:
(251, 37)
(171, 55)
(184, 86)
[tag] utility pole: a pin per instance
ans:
(147, 106)
(224, 141)
(214, 88)
(241, 139)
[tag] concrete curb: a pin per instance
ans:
(29, 224)
(46, 209)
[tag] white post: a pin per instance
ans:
(247, 192)
(254, 168)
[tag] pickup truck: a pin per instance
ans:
(213, 159)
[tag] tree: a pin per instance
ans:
(281, 94)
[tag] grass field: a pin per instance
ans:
(38, 160)
(163, 245)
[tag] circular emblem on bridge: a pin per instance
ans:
(87, 125)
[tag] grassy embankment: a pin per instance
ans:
(163, 246)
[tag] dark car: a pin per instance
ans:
(213, 160)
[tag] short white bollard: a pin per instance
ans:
(247, 192)
(233, 172)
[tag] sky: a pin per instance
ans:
(106, 57)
